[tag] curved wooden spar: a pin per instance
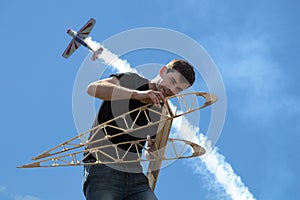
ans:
(177, 149)
(67, 148)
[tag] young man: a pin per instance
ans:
(122, 93)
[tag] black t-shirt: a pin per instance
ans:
(111, 109)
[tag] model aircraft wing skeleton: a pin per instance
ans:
(68, 153)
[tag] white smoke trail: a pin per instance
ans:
(109, 58)
(224, 174)
(214, 162)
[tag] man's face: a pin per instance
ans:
(171, 83)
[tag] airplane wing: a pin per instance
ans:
(86, 29)
(76, 158)
(64, 155)
(73, 45)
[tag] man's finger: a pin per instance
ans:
(155, 99)
(160, 97)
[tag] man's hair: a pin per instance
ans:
(184, 68)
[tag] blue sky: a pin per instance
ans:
(254, 44)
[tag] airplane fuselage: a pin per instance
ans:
(78, 39)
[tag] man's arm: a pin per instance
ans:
(110, 89)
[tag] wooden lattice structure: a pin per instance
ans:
(73, 151)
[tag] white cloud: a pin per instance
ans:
(256, 84)
(2, 188)
(26, 197)
(250, 71)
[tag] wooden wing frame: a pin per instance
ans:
(70, 152)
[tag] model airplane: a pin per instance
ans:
(81, 38)
(69, 153)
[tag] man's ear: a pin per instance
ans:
(162, 70)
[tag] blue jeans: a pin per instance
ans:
(105, 183)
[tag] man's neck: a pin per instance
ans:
(152, 86)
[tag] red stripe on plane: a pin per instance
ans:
(69, 48)
(86, 27)
(76, 46)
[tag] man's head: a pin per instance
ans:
(176, 76)
(184, 68)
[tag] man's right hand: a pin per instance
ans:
(149, 96)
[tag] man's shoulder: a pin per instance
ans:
(131, 76)
(132, 80)
(128, 74)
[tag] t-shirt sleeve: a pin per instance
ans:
(130, 80)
